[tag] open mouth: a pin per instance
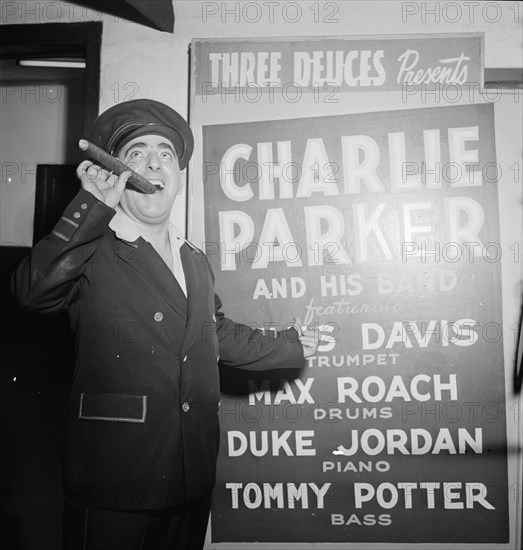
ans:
(159, 185)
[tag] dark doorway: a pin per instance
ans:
(56, 186)
(36, 353)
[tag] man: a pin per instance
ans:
(142, 429)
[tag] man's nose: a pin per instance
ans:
(153, 162)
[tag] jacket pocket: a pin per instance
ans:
(113, 407)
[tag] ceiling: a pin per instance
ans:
(157, 14)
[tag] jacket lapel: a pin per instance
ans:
(141, 256)
(197, 281)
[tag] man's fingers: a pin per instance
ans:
(311, 342)
(94, 173)
(313, 333)
(82, 168)
(121, 181)
(88, 171)
(297, 325)
(104, 174)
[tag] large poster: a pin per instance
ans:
(381, 229)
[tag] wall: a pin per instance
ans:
(36, 104)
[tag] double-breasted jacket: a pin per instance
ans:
(142, 426)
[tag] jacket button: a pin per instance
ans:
(185, 407)
(76, 215)
(158, 316)
(83, 206)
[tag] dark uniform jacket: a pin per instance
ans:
(142, 426)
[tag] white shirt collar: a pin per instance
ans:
(124, 228)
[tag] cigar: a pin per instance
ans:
(116, 165)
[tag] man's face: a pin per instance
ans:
(154, 158)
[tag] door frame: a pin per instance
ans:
(57, 40)
(60, 40)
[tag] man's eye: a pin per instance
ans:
(134, 154)
(166, 155)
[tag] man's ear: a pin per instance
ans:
(183, 178)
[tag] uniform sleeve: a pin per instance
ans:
(47, 280)
(253, 349)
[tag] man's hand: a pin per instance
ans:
(101, 183)
(309, 338)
